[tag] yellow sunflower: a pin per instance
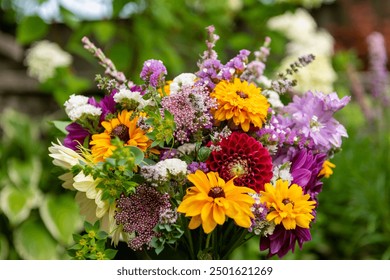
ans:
(211, 200)
(288, 205)
(125, 128)
(241, 103)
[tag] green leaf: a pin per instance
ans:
(138, 154)
(31, 29)
(203, 154)
(117, 6)
(60, 125)
(25, 174)
(16, 204)
(33, 242)
(69, 18)
(110, 253)
(61, 216)
(104, 31)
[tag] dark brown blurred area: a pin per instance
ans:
(351, 21)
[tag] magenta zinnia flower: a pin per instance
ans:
(76, 136)
(305, 167)
(242, 156)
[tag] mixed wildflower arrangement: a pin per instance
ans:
(203, 162)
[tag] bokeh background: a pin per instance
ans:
(38, 217)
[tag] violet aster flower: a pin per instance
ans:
(282, 240)
(153, 72)
(76, 136)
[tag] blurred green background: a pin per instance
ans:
(38, 217)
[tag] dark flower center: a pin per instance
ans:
(122, 132)
(216, 192)
(241, 94)
(287, 201)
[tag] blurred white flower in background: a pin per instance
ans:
(43, 58)
(306, 38)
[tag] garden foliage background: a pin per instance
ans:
(38, 217)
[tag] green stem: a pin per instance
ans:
(236, 244)
(208, 240)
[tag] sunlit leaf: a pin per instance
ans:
(33, 242)
(61, 216)
(30, 29)
(16, 203)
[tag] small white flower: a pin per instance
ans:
(282, 171)
(273, 98)
(87, 109)
(174, 166)
(75, 101)
(124, 94)
(185, 79)
(43, 58)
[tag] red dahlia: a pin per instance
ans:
(243, 156)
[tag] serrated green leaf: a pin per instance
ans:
(61, 217)
(31, 29)
(33, 242)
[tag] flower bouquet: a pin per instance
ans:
(199, 164)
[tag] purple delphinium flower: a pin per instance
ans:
(140, 212)
(282, 240)
(312, 116)
(305, 167)
(76, 136)
(153, 72)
